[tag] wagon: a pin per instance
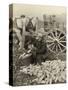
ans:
(55, 36)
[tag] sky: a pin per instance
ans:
(37, 10)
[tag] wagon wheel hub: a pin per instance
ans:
(56, 41)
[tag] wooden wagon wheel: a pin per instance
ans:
(56, 41)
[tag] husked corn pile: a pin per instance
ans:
(48, 72)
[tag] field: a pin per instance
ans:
(51, 71)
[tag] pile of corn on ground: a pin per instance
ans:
(47, 73)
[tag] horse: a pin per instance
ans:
(19, 23)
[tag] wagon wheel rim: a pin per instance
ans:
(56, 41)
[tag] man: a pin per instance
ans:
(39, 50)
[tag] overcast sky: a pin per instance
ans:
(35, 10)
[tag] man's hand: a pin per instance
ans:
(24, 56)
(28, 51)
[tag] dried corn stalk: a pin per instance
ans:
(47, 73)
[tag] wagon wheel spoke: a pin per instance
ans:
(56, 48)
(50, 37)
(49, 41)
(53, 47)
(56, 33)
(62, 37)
(59, 35)
(60, 47)
(62, 41)
(52, 34)
(50, 45)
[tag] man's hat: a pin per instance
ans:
(22, 16)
